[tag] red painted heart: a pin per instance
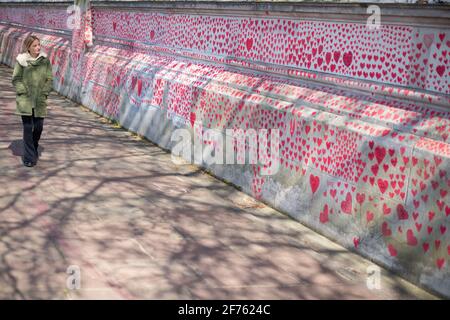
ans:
(356, 242)
(440, 263)
(346, 205)
(440, 70)
(249, 44)
(383, 185)
(411, 239)
(192, 118)
(380, 153)
(314, 181)
(401, 212)
(347, 58)
(392, 250)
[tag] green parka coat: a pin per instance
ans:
(33, 81)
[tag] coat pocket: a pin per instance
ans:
(23, 104)
(41, 106)
(41, 101)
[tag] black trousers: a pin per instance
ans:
(32, 129)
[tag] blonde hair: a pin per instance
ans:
(27, 42)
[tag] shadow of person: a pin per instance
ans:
(17, 148)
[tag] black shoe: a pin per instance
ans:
(28, 164)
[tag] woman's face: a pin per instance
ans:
(35, 48)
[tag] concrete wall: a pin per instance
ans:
(363, 115)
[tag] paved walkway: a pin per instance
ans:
(140, 227)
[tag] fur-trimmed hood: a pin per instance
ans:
(23, 58)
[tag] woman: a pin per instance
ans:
(33, 80)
